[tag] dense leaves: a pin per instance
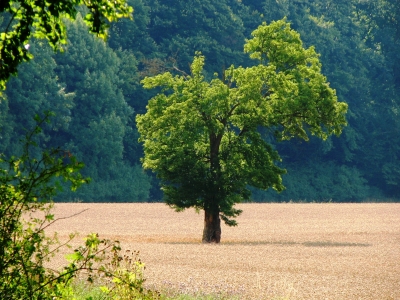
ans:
(95, 110)
(45, 19)
(202, 137)
(27, 185)
(86, 91)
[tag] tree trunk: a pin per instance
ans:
(212, 222)
(212, 227)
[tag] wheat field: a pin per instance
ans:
(278, 251)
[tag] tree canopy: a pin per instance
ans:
(357, 42)
(203, 139)
(46, 19)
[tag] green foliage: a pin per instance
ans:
(101, 117)
(320, 182)
(122, 183)
(187, 26)
(35, 90)
(117, 276)
(45, 19)
(133, 35)
(202, 138)
(380, 22)
(27, 185)
(128, 279)
(358, 46)
(359, 58)
(89, 93)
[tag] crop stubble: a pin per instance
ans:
(299, 251)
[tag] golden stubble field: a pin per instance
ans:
(298, 251)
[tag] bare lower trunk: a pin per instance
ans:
(212, 227)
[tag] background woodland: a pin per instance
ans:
(94, 89)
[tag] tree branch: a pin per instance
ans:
(180, 71)
(64, 218)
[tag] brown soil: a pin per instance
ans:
(278, 251)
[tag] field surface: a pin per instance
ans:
(278, 251)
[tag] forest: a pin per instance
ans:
(94, 88)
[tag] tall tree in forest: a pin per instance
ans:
(381, 19)
(182, 27)
(99, 77)
(332, 28)
(35, 90)
(133, 35)
(203, 139)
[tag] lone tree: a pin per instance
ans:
(203, 139)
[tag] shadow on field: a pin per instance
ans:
(291, 243)
(277, 243)
(334, 244)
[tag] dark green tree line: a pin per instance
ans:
(358, 46)
(85, 88)
(99, 129)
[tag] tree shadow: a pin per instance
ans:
(282, 243)
(334, 244)
(292, 243)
